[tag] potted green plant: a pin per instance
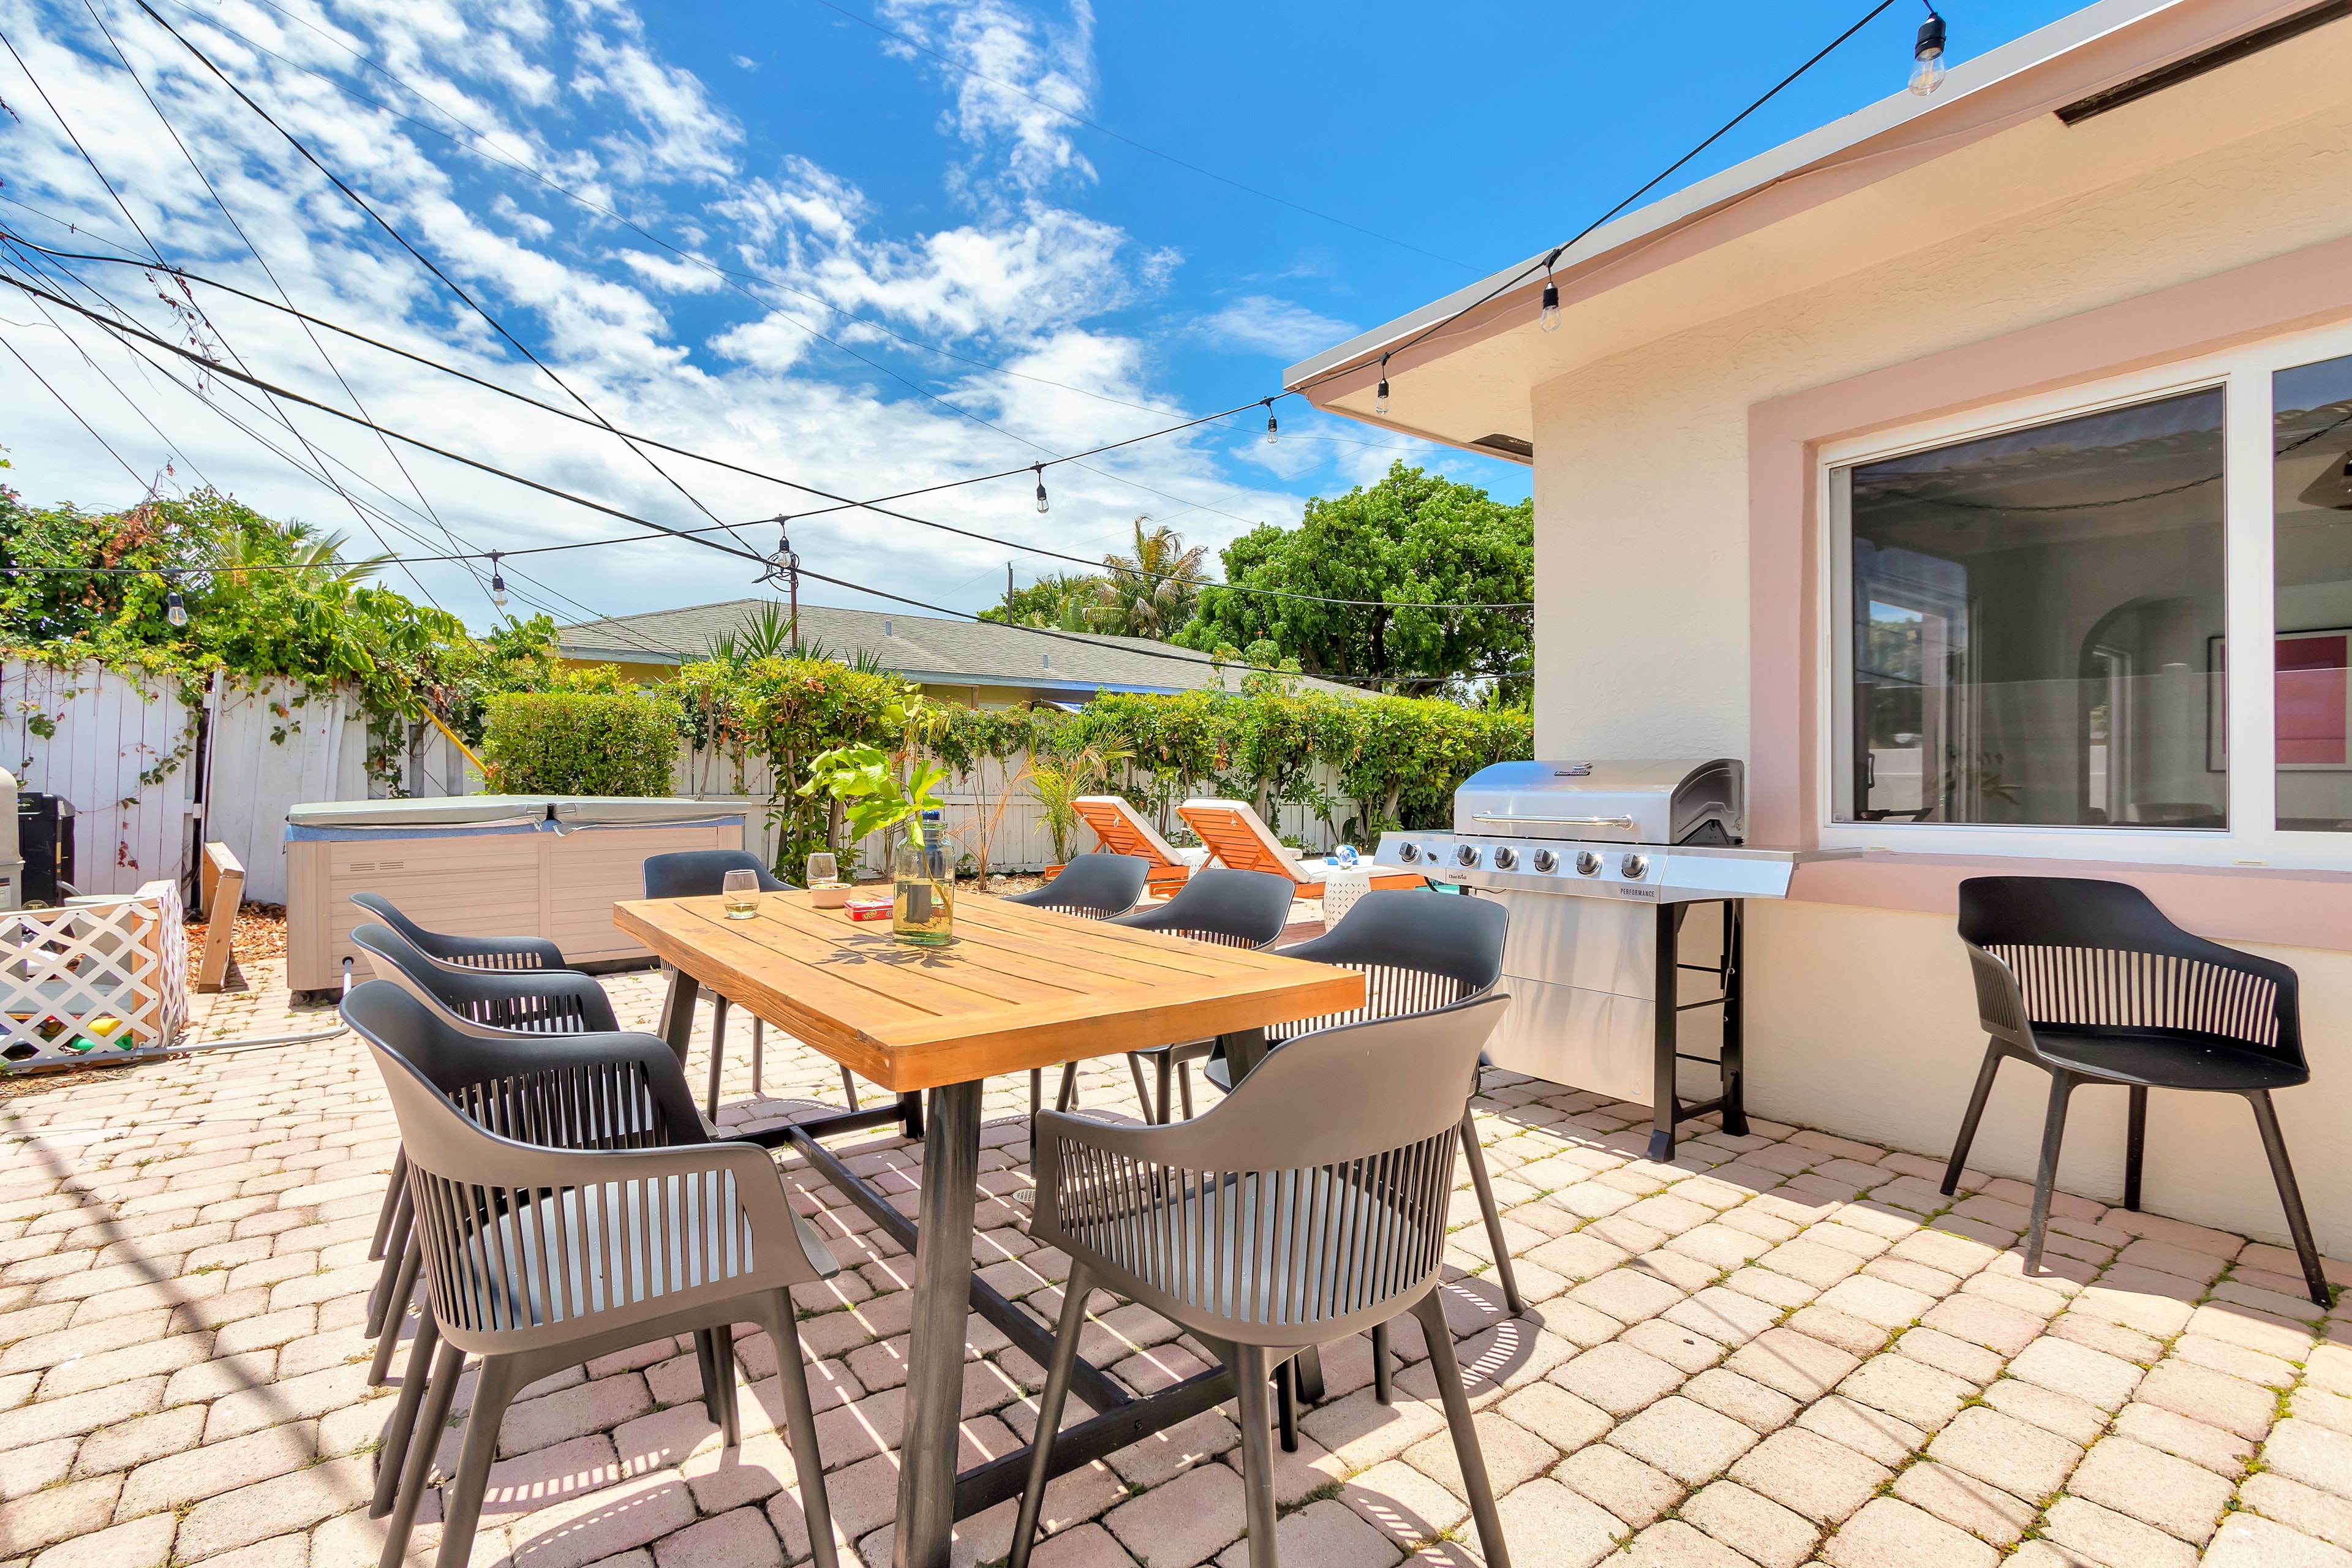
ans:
(875, 798)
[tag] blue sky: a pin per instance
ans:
(999, 282)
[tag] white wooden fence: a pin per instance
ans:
(126, 754)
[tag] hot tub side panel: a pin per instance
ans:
(558, 886)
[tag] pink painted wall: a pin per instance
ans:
(2307, 288)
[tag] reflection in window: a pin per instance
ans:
(2037, 624)
(2310, 474)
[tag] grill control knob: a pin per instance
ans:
(1467, 855)
(1588, 864)
(1634, 866)
(1546, 860)
(1408, 853)
(1505, 858)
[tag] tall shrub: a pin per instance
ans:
(579, 743)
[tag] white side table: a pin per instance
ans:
(1341, 888)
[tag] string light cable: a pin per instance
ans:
(1546, 265)
(1552, 293)
(700, 535)
(944, 403)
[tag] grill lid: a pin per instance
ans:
(1651, 802)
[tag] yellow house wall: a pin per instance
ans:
(1862, 1020)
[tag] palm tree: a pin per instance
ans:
(314, 557)
(1149, 594)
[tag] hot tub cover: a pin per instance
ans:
(615, 811)
(456, 811)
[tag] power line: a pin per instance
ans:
(1545, 266)
(734, 279)
(267, 271)
(424, 260)
(697, 534)
(726, 274)
(77, 419)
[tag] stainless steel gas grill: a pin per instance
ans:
(1613, 873)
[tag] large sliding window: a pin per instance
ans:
(2110, 623)
(2036, 624)
(2311, 472)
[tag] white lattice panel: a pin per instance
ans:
(94, 979)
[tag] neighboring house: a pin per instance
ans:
(1980, 469)
(980, 664)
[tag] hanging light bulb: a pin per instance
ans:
(1550, 317)
(1381, 398)
(1927, 70)
(498, 583)
(1271, 428)
(1041, 486)
(174, 610)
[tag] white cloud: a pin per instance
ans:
(1259, 323)
(744, 62)
(1021, 81)
(656, 343)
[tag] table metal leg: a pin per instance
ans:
(1242, 1051)
(677, 1010)
(926, 1480)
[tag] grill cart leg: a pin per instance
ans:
(1665, 1019)
(1735, 1039)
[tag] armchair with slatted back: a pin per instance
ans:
(2087, 981)
(1418, 950)
(536, 1056)
(1264, 1232)
(537, 1259)
(492, 1003)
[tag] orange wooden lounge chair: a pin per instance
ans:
(1123, 831)
(1237, 839)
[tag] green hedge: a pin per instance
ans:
(579, 743)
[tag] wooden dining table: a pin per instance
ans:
(1019, 989)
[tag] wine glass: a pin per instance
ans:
(822, 869)
(741, 889)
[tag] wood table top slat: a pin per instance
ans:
(1020, 988)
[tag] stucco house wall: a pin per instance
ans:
(1862, 1019)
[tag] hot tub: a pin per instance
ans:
(482, 864)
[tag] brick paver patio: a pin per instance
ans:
(1786, 1347)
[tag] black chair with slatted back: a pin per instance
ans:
(1092, 887)
(2087, 981)
(702, 874)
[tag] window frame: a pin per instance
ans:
(2248, 609)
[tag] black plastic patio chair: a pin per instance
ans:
(530, 1001)
(2087, 981)
(1263, 1231)
(1095, 886)
(1232, 909)
(539, 1258)
(702, 874)
(495, 1004)
(465, 952)
(605, 1089)
(1092, 887)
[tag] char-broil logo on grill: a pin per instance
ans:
(1573, 771)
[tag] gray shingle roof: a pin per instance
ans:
(921, 647)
